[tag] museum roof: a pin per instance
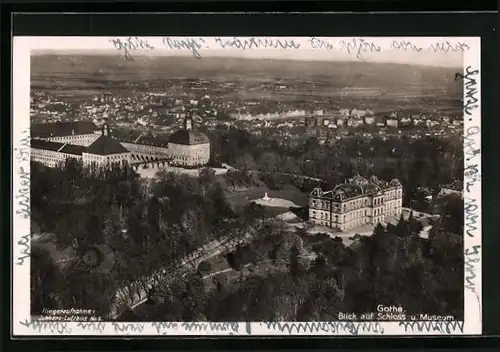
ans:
(61, 129)
(354, 187)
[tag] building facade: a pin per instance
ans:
(188, 147)
(456, 188)
(52, 154)
(358, 202)
(144, 152)
(185, 148)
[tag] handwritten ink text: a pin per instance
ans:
(252, 43)
(446, 46)
(24, 244)
(131, 44)
(471, 216)
(317, 43)
(471, 260)
(232, 327)
(94, 327)
(359, 47)
(405, 45)
(23, 195)
(470, 82)
(161, 326)
(192, 44)
(42, 326)
(22, 153)
(328, 327)
(471, 151)
(128, 327)
(448, 327)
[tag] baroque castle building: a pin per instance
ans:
(103, 150)
(52, 143)
(357, 202)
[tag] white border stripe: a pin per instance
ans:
(21, 226)
(472, 190)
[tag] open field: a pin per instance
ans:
(104, 70)
(291, 193)
(367, 73)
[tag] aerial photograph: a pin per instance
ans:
(233, 188)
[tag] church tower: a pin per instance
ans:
(188, 122)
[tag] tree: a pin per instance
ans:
(269, 162)
(46, 280)
(206, 177)
(204, 267)
(401, 227)
(234, 261)
(195, 298)
(297, 267)
(245, 162)
(89, 290)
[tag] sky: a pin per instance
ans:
(400, 50)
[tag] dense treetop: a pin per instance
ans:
(283, 274)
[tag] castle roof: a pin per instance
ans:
(105, 145)
(58, 147)
(188, 137)
(46, 145)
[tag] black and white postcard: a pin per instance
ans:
(246, 186)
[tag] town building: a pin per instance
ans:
(187, 147)
(392, 123)
(369, 120)
(103, 151)
(456, 188)
(357, 202)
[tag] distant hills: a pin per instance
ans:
(355, 73)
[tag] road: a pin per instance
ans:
(190, 262)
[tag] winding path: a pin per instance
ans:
(136, 294)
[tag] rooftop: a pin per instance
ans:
(57, 147)
(105, 145)
(354, 187)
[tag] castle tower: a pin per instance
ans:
(188, 122)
